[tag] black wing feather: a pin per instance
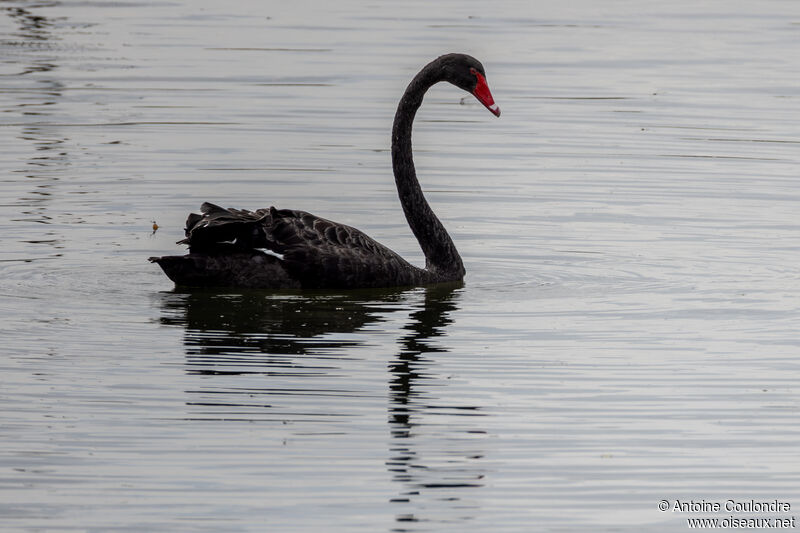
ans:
(315, 251)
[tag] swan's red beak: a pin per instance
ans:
(484, 95)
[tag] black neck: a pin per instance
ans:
(441, 255)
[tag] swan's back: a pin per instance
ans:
(283, 248)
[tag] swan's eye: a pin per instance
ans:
(473, 71)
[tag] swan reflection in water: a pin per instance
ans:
(301, 348)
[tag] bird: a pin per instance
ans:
(275, 248)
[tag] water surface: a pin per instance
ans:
(626, 333)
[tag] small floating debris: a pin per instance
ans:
(155, 228)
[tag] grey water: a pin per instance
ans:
(626, 333)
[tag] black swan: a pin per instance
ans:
(283, 248)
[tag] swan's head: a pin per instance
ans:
(467, 73)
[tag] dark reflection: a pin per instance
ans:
(274, 357)
(35, 91)
(413, 409)
(31, 25)
(284, 357)
(258, 330)
(426, 324)
(33, 36)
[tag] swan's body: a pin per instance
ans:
(284, 248)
